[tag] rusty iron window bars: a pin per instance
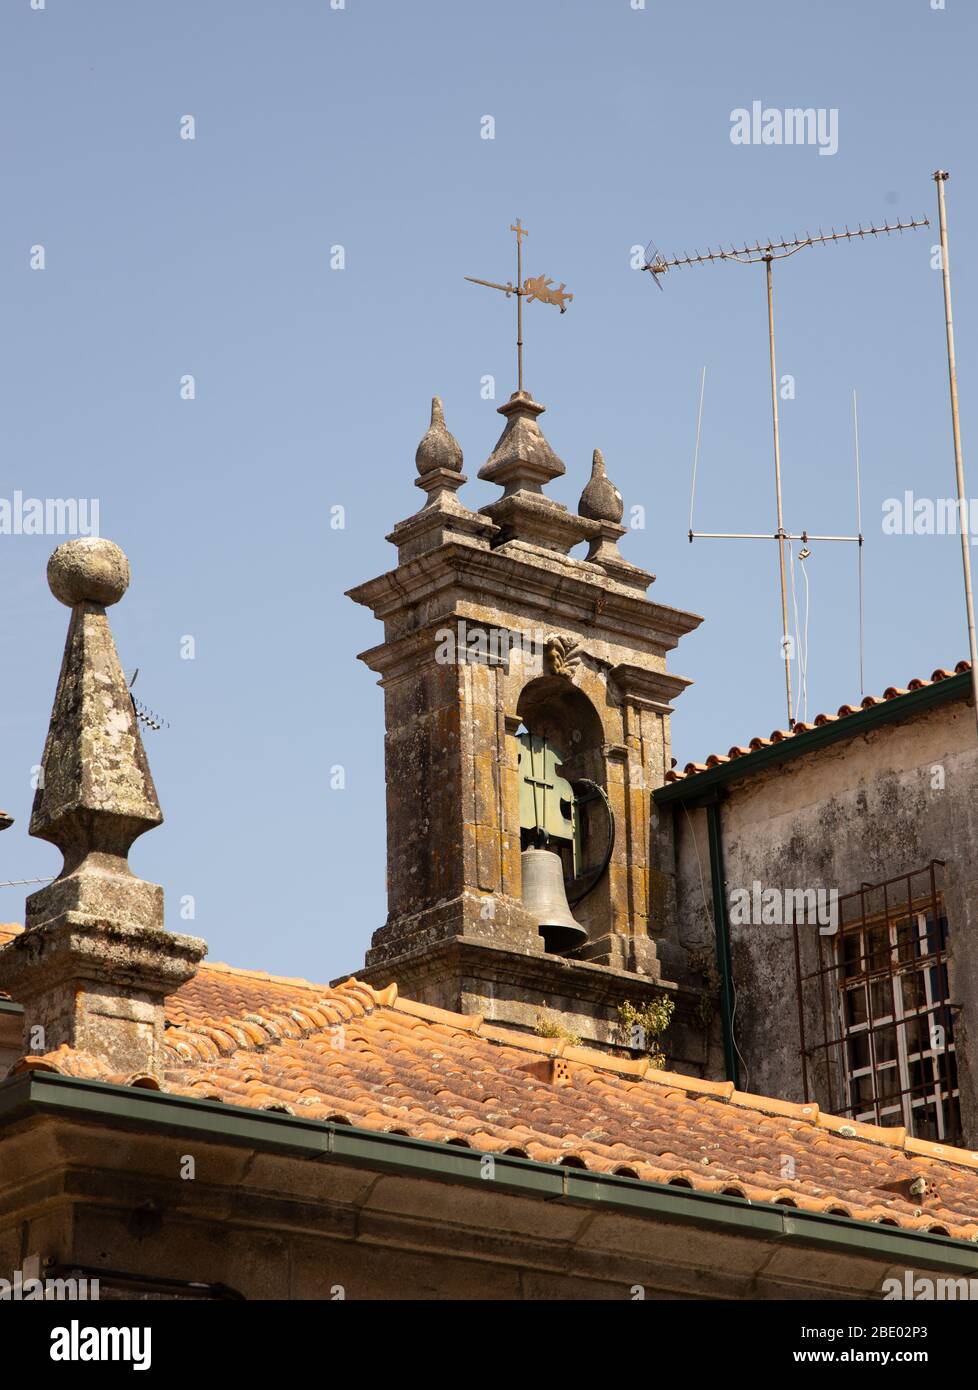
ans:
(878, 997)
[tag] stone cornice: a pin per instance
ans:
(652, 689)
(559, 589)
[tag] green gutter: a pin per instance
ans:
(849, 726)
(722, 928)
(48, 1093)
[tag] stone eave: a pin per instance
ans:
(75, 1102)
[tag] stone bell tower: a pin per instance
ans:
(516, 675)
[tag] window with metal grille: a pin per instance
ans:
(877, 1001)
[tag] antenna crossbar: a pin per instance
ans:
(775, 250)
(803, 536)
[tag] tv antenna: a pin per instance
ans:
(766, 253)
(147, 717)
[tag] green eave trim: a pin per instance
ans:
(848, 726)
(47, 1093)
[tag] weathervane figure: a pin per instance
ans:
(534, 287)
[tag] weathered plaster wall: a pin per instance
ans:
(865, 809)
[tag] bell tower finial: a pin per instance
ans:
(601, 500)
(602, 504)
(438, 448)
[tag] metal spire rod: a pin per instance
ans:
(940, 178)
(767, 253)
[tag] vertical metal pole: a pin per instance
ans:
(777, 485)
(940, 178)
(859, 533)
(519, 309)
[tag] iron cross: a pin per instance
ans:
(534, 287)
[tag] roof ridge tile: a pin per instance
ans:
(892, 692)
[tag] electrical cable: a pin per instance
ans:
(696, 452)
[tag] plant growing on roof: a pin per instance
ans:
(548, 1027)
(640, 1026)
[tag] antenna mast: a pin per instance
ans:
(940, 178)
(757, 254)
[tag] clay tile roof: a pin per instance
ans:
(892, 692)
(354, 1055)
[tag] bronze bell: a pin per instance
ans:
(545, 898)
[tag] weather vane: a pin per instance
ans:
(533, 287)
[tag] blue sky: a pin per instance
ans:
(361, 127)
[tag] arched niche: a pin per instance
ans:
(554, 709)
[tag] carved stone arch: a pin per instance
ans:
(561, 712)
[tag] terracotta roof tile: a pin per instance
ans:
(358, 1056)
(354, 1055)
(892, 692)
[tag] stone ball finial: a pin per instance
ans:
(438, 448)
(601, 500)
(89, 569)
